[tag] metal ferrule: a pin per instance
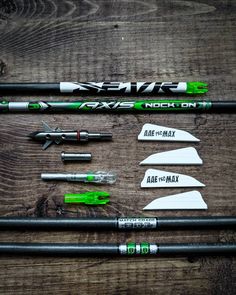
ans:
(83, 135)
(76, 156)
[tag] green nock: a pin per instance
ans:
(88, 198)
(196, 88)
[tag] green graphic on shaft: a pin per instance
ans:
(90, 178)
(131, 248)
(142, 248)
(76, 105)
(34, 106)
(196, 88)
(4, 106)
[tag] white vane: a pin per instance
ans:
(160, 178)
(185, 201)
(161, 133)
(184, 156)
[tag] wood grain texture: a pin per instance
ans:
(52, 40)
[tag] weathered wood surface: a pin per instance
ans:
(52, 40)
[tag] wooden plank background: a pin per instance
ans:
(52, 40)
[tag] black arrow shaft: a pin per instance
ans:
(106, 88)
(117, 249)
(28, 88)
(119, 223)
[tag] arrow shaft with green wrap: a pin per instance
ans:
(106, 88)
(128, 249)
(119, 106)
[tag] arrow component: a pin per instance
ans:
(94, 177)
(154, 132)
(160, 178)
(184, 156)
(108, 87)
(88, 198)
(49, 136)
(130, 249)
(68, 157)
(111, 106)
(185, 201)
(118, 223)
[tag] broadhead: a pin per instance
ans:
(45, 136)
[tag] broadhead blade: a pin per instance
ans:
(46, 127)
(47, 144)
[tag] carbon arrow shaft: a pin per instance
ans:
(118, 223)
(128, 249)
(118, 106)
(106, 88)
